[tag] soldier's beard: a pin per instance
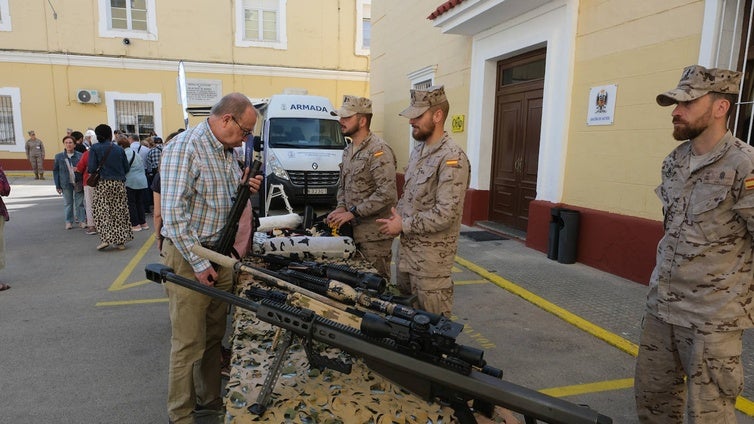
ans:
(422, 134)
(690, 130)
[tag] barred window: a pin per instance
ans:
(7, 127)
(134, 117)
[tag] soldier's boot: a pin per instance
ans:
(41, 175)
(36, 175)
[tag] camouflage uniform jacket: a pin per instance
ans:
(703, 275)
(367, 181)
(431, 206)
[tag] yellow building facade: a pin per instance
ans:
(78, 64)
(525, 77)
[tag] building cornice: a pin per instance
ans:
(36, 58)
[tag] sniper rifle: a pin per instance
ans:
(429, 379)
(357, 279)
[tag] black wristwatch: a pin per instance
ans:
(352, 209)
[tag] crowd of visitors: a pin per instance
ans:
(129, 180)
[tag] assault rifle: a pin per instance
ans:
(385, 352)
(357, 279)
(229, 231)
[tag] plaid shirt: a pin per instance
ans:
(199, 181)
(153, 158)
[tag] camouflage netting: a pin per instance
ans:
(308, 396)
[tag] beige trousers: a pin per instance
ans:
(198, 325)
(710, 364)
(434, 294)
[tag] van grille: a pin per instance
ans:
(314, 178)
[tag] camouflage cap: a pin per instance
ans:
(353, 105)
(696, 81)
(421, 100)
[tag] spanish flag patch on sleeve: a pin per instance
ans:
(378, 154)
(749, 183)
(453, 162)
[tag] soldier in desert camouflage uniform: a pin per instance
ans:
(700, 296)
(366, 190)
(428, 215)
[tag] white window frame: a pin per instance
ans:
(419, 76)
(280, 44)
(721, 43)
(4, 16)
(155, 98)
(361, 5)
(105, 19)
(18, 125)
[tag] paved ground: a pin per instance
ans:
(85, 338)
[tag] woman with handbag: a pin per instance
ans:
(107, 162)
(63, 173)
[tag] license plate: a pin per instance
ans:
(316, 191)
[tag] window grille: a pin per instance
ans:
(134, 117)
(7, 127)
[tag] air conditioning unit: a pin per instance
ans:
(87, 96)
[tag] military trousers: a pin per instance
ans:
(681, 371)
(37, 164)
(198, 325)
(434, 294)
(379, 253)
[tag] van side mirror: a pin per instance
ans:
(258, 145)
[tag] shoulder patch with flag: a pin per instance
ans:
(749, 183)
(378, 154)
(453, 162)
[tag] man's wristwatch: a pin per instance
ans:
(352, 209)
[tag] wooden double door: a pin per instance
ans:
(515, 150)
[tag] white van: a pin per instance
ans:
(302, 147)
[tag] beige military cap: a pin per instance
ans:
(421, 100)
(353, 105)
(696, 81)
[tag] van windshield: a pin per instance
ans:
(305, 133)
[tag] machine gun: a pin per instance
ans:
(357, 279)
(228, 234)
(384, 346)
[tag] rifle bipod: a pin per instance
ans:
(285, 339)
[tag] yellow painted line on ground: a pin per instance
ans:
(469, 282)
(120, 282)
(132, 302)
(745, 405)
(575, 320)
(582, 389)
(456, 269)
(742, 404)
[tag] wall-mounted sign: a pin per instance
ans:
(601, 105)
(457, 123)
(203, 92)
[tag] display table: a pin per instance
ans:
(309, 396)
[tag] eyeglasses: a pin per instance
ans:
(245, 131)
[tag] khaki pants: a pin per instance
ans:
(198, 325)
(710, 363)
(379, 253)
(434, 294)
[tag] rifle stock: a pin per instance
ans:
(228, 234)
(425, 379)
